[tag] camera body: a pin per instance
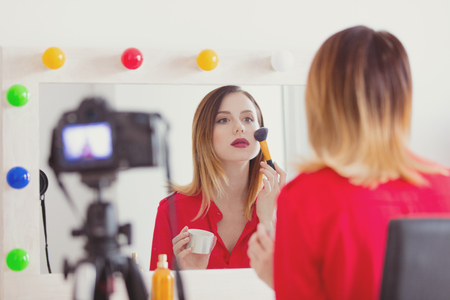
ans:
(97, 139)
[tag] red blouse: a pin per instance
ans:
(331, 235)
(187, 208)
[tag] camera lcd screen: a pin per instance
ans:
(87, 142)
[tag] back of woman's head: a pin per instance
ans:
(358, 103)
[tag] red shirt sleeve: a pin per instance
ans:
(162, 237)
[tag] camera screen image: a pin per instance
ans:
(87, 142)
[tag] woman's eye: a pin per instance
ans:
(223, 120)
(248, 119)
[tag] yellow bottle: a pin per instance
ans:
(162, 283)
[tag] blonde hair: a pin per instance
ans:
(358, 105)
(208, 174)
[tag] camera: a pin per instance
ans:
(97, 139)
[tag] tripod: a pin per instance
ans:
(94, 274)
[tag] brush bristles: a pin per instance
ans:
(261, 134)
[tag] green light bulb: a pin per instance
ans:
(17, 95)
(17, 259)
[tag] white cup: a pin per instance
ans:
(201, 241)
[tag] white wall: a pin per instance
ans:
(423, 27)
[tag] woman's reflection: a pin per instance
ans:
(232, 189)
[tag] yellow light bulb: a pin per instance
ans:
(207, 60)
(53, 58)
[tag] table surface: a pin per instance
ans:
(198, 285)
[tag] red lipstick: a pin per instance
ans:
(240, 143)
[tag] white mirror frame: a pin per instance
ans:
(20, 222)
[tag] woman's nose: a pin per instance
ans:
(239, 128)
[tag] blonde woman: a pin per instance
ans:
(226, 195)
(333, 218)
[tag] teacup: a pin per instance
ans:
(201, 241)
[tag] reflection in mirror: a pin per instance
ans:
(137, 192)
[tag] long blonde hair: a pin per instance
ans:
(208, 174)
(358, 105)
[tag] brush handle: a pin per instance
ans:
(270, 163)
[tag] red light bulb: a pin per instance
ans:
(132, 58)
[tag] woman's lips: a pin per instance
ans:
(240, 143)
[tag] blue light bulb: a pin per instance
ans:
(18, 177)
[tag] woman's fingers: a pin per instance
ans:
(252, 241)
(183, 234)
(275, 177)
(261, 260)
(178, 247)
(270, 173)
(214, 243)
(267, 187)
(264, 238)
(184, 253)
(253, 238)
(283, 175)
(251, 244)
(254, 249)
(180, 240)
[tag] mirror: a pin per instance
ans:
(137, 192)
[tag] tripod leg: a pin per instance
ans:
(104, 280)
(85, 277)
(135, 284)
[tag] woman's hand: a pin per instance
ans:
(260, 251)
(273, 182)
(187, 260)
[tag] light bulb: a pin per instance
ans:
(282, 61)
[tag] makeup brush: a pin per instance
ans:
(261, 136)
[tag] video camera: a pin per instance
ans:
(95, 138)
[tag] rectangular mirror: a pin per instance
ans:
(137, 192)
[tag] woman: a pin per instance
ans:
(333, 218)
(229, 173)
